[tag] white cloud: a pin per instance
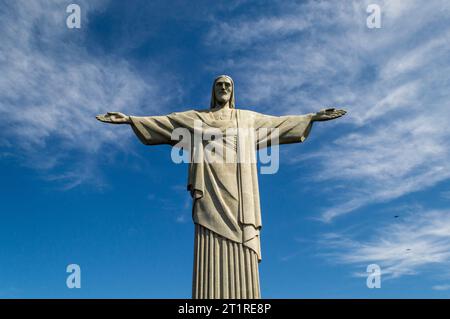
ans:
(441, 287)
(393, 81)
(245, 32)
(445, 195)
(403, 247)
(51, 88)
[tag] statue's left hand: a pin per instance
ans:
(114, 118)
(328, 114)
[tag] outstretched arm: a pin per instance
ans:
(290, 128)
(152, 130)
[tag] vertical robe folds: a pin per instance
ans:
(226, 209)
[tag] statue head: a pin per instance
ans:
(222, 92)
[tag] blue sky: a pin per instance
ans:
(74, 190)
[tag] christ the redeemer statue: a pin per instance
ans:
(226, 210)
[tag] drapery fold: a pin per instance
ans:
(223, 269)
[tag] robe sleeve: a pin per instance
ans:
(154, 130)
(281, 129)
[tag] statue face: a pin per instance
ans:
(223, 89)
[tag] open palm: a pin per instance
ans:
(114, 118)
(328, 114)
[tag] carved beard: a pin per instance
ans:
(223, 97)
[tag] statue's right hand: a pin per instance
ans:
(114, 118)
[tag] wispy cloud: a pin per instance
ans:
(441, 287)
(393, 81)
(10, 292)
(250, 32)
(402, 247)
(445, 195)
(51, 88)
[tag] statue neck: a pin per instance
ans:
(219, 105)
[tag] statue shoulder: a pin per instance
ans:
(189, 113)
(250, 113)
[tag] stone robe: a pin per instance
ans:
(225, 194)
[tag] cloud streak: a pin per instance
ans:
(404, 247)
(51, 88)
